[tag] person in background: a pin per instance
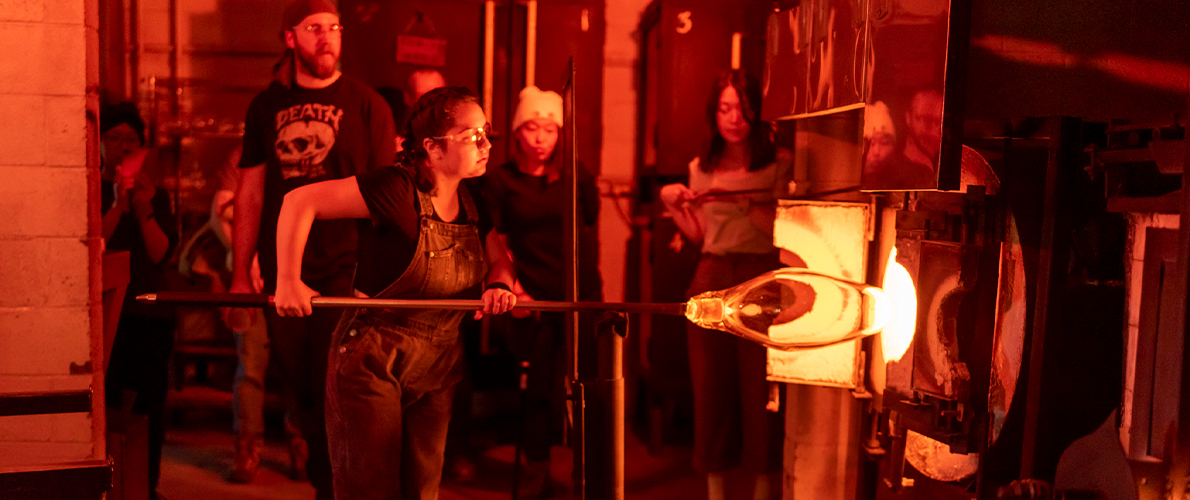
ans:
(731, 424)
(419, 82)
(529, 206)
(923, 123)
(137, 217)
(392, 371)
(208, 255)
(312, 124)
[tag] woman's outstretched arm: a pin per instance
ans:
(335, 199)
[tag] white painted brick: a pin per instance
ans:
(26, 428)
(44, 383)
(27, 454)
(22, 125)
(23, 46)
(66, 11)
(43, 340)
(42, 201)
(44, 272)
(66, 132)
(22, 10)
(71, 428)
(43, 59)
(64, 71)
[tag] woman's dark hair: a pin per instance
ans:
(431, 116)
(114, 115)
(760, 138)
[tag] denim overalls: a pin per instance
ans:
(392, 372)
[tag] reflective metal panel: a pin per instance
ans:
(907, 72)
(814, 59)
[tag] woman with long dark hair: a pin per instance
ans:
(729, 209)
(392, 372)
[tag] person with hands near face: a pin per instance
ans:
(134, 192)
(137, 218)
(424, 234)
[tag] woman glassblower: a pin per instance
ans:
(731, 424)
(392, 373)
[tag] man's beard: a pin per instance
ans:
(311, 63)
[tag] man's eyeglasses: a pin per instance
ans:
(471, 135)
(318, 29)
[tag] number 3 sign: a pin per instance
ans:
(684, 23)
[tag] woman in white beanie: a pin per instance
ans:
(528, 207)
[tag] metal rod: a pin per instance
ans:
(1179, 460)
(489, 55)
(569, 174)
(531, 43)
(606, 450)
(263, 300)
(807, 196)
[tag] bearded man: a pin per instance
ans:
(312, 124)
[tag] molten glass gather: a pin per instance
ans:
(793, 308)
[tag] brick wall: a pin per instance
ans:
(45, 279)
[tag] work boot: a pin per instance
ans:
(534, 483)
(299, 454)
(247, 460)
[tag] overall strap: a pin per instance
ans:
(425, 206)
(468, 204)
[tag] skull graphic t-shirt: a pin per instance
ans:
(303, 136)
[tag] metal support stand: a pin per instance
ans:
(599, 415)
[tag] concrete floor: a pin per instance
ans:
(199, 453)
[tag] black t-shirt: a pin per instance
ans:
(532, 212)
(309, 135)
(144, 275)
(386, 246)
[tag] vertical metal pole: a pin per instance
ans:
(131, 39)
(175, 109)
(1179, 466)
(531, 43)
(607, 469)
(578, 392)
(736, 39)
(489, 55)
(1061, 170)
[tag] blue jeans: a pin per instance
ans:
(248, 391)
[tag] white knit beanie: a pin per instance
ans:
(877, 120)
(537, 104)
